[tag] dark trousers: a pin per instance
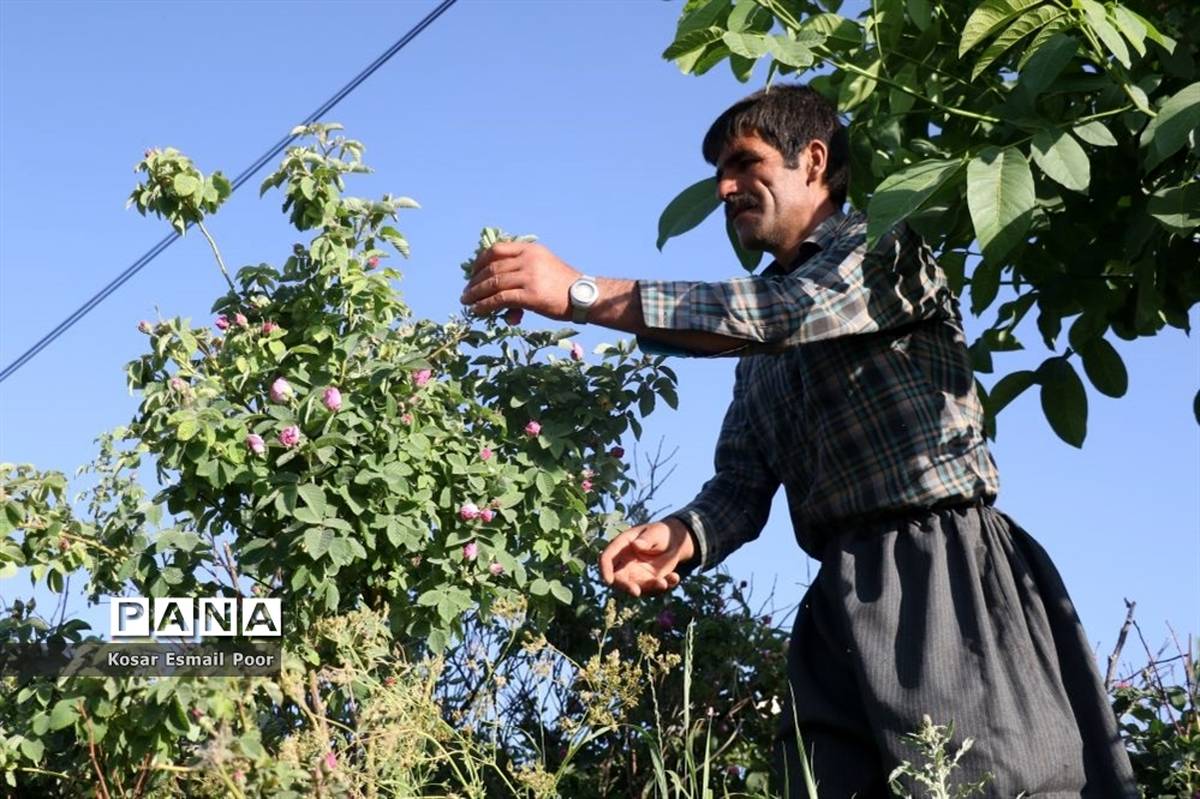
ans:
(957, 614)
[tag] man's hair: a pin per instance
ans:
(787, 117)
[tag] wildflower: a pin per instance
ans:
(496, 569)
(533, 428)
(485, 453)
(332, 398)
(222, 322)
(255, 443)
(421, 376)
(289, 436)
(487, 514)
(268, 328)
(240, 320)
(468, 511)
(666, 620)
(513, 316)
(373, 262)
(144, 327)
(281, 390)
(617, 452)
(470, 550)
(576, 351)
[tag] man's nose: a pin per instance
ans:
(725, 187)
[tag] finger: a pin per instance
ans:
(489, 282)
(672, 580)
(497, 252)
(610, 553)
(510, 298)
(651, 543)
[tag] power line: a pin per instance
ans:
(244, 176)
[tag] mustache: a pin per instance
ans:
(736, 203)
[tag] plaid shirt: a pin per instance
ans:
(854, 389)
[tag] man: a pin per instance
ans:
(854, 391)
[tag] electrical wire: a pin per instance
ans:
(244, 176)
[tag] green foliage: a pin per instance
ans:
(934, 776)
(1077, 123)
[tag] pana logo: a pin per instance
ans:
(185, 617)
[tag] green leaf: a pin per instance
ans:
(1104, 367)
(748, 15)
(1167, 132)
(747, 45)
(1096, 133)
(701, 15)
(185, 185)
(692, 43)
(63, 714)
(1000, 197)
(1132, 28)
(904, 192)
(834, 30)
(989, 17)
(794, 53)
(1062, 159)
(314, 497)
(317, 541)
(1063, 400)
(33, 749)
(187, 430)
(985, 283)
(560, 592)
(1098, 20)
(689, 208)
(1047, 63)
(548, 520)
(1008, 388)
(539, 587)
(1177, 208)
(919, 12)
(1024, 25)
(857, 88)
(749, 259)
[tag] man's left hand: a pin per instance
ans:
(520, 275)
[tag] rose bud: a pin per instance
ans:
(255, 443)
(144, 327)
(576, 351)
(487, 514)
(289, 436)
(281, 390)
(496, 569)
(373, 262)
(222, 322)
(268, 328)
(332, 399)
(485, 453)
(533, 429)
(470, 550)
(617, 452)
(513, 316)
(240, 320)
(421, 376)
(468, 511)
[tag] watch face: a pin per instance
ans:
(584, 292)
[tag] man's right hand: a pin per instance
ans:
(643, 559)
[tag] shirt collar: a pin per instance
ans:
(819, 239)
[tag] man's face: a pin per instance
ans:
(772, 206)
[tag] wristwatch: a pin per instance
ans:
(582, 295)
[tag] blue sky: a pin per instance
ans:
(552, 118)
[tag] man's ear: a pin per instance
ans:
(816, 158)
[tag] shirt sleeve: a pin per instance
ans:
(733, 506)
(844, 290)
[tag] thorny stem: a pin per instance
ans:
(217, 253)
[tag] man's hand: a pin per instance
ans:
(643, 559)
(520, 275)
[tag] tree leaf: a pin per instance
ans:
(1098, 21)
(985, 283)
(836, 31)
(1131, 27)
(1063, 400)
(793, 52)
(747, 45)
(689, 208)
(1000, 197)
(560, 592)
(989, 17)
(701, 15)
(1167, 132)
(904, 192)
(63, 714)
(750, 259)
(317, 541)
(1024, 25)
(1104, 367)
(1062, 159)
(1047, 33)
(314, 497)
(748, 15)
(693, 43)
(1009, 388)
(920, 13)
(1096, 133)
(1047, 63)
(857, 88)
(1177, 208)
(185, 185)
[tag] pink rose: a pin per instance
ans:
(255, 443)
(487, 514)
(407, 418)
(330, 761)
(576, 351)
(240, 320)
(179, 384)
(485, 453)
(470, 550)
(222, 322)
(289, 436)
(421, 376)
(373, 262)
(144, 327)
(617, 452)
(533, 429)
(268, 328)
(281, 390)
(513, 316)
(332, 399)
(496, 569)
(468, 511)
(586, 485)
